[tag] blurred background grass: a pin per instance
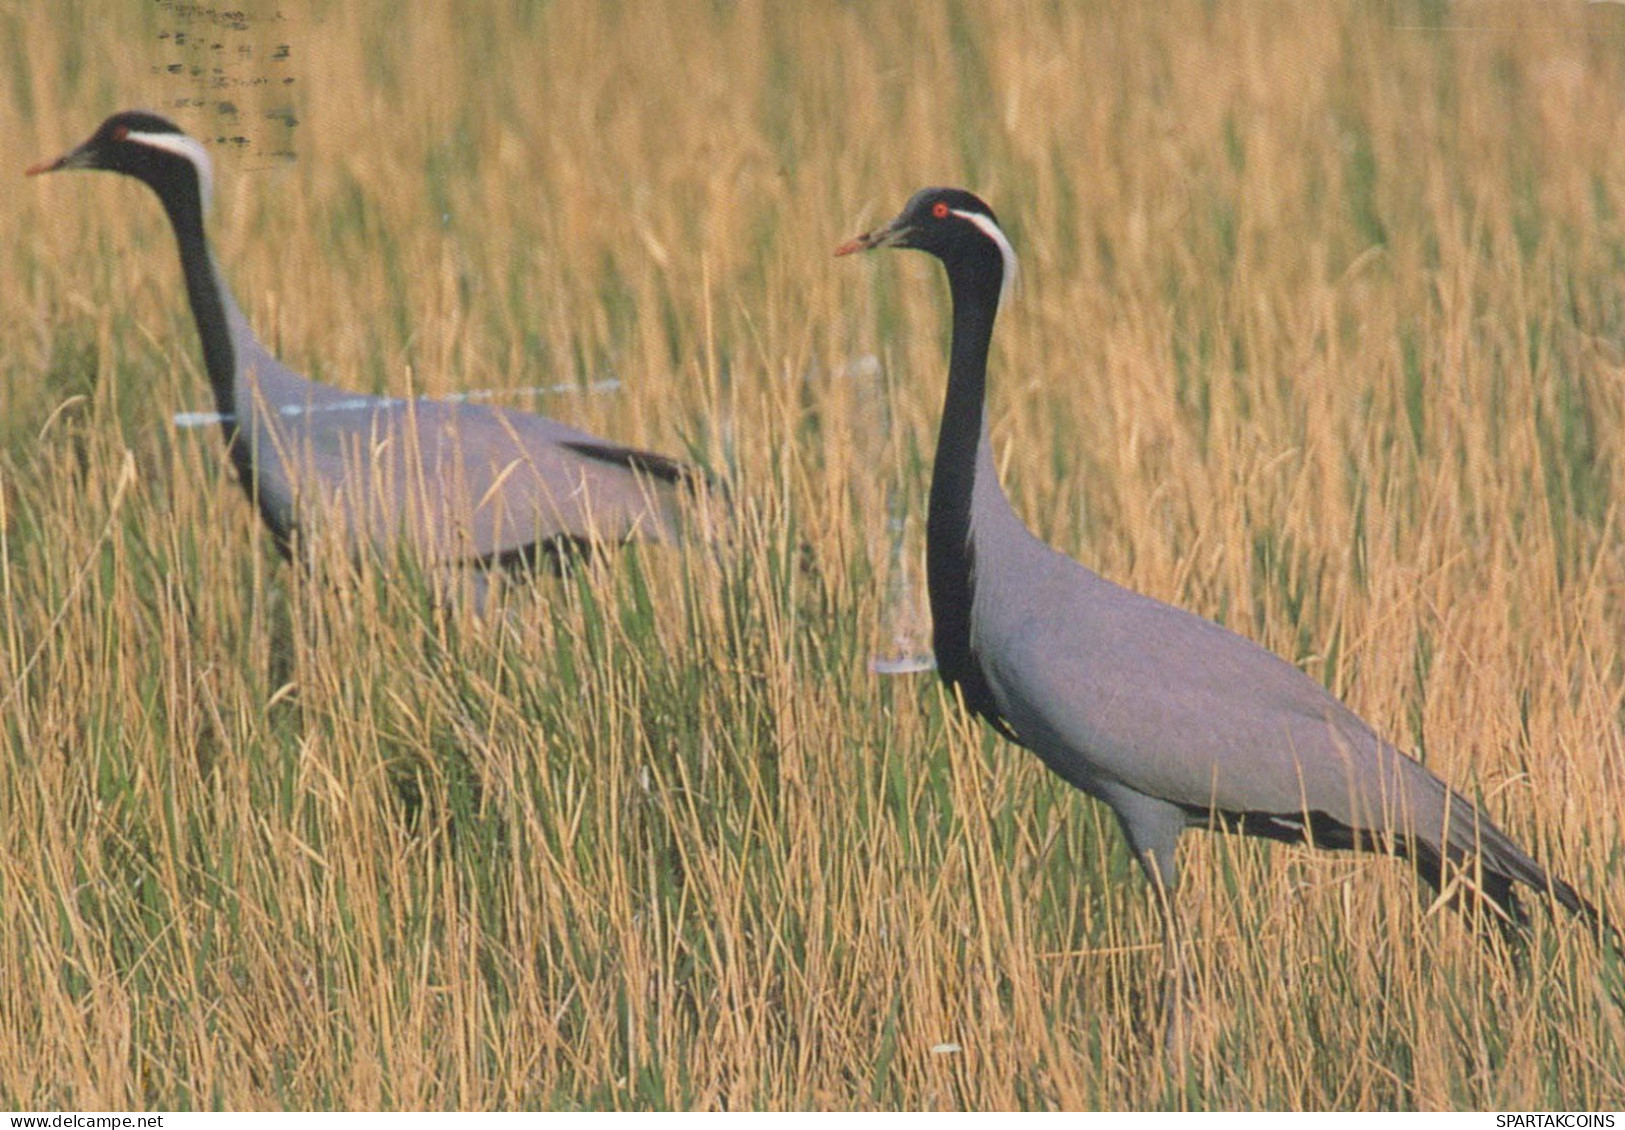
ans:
(1319, 335)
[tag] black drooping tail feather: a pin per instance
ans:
(1477, 848)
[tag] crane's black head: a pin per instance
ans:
(954, 225)
(145, 146)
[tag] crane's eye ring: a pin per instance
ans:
(940, 210)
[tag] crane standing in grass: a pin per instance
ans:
(1170, 719)
(459, 483)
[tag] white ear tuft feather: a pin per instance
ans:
(182, 146)
(1011, 267)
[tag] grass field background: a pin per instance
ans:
(1321, 334)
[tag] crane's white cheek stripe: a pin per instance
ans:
(1006, 252)
(182, 146)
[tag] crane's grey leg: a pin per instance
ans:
(1152, 827)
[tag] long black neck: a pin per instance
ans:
(974, 281)
(184, 205)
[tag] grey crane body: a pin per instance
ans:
(1170, 719)
(1243, 740)
(459, 482)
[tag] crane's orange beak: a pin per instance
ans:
(72, 159)
(857, 243)
(888, 236)
(79, 157)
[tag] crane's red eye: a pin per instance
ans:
(940, 210)
(120, 132)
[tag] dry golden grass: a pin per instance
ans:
(1319, 335)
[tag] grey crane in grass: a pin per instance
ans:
(1171, 720)
(460, 483)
